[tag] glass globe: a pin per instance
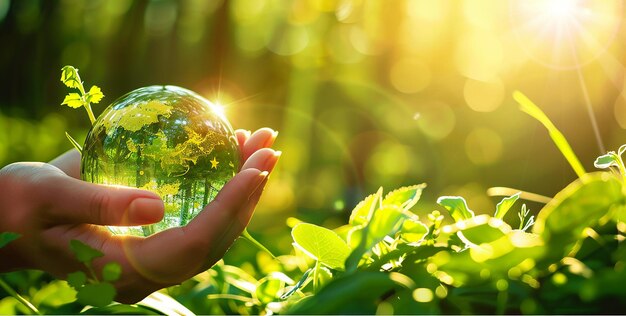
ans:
(165, 139)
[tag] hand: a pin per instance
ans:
(49, 206)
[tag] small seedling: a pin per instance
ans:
(71, 78)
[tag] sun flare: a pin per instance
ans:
(565, 34)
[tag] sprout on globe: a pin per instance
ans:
(164, 139)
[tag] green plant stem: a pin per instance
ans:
(229, 297)
(92, 272)
(316, 276)
(245, 234)
(621, 167)
(92, 118)
(18, 297)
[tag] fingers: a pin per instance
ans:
(187, 248)
(263, 159)
(227, 206)
(70, 200)
(242, 137)
(208, 236)
(191, 248)
(262, 138)
(69, 162)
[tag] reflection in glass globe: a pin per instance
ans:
(165, 139)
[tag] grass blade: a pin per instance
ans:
(74, 142)
(246, 235)
(527, 106)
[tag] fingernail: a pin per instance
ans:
(275, 134)
(145, 210)
(278, 153)
(248, 133)
(259, 182)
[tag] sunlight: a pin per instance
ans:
(562, 9)
(568, 34)
(565, 34)
(219, 107)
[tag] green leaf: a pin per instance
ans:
(111, 271)
(83, 252)
(70, 77)
(73, 100)
(120, 309)
(74, 143)
(413, 231)
(405, 197)
(98, 294)
(76, 279)
(580, 205)
(354, 294)
(54, 294)
(362, 212)
(456, 206)
(354, 236)
(9, 305)
(94, 95)
(482, 229)
(386, 221)
(503, 207)
(527, 106)
(7, 237)
(606, 161)
(324, 276)
(164, 304)
(321, 244)
(268, 290)
(238, 278)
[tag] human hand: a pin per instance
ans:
(49, 206)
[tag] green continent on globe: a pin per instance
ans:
(165, 139)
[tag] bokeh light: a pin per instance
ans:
(364, 93)
(435, 119)
(409, 75)
(483, 146)
(484, 96)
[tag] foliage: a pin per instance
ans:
(71, 78)
(92, 291)
(7, 237)
(387, 259)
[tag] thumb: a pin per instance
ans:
(69, 200)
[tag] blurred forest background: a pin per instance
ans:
(364, 93)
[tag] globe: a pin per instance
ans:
(165, 139)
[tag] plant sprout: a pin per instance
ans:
(71, 78)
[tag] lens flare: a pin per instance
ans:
(565, 34)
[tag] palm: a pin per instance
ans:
(151, 263)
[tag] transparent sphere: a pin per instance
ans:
(165, 139)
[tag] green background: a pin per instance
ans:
(364, 93)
